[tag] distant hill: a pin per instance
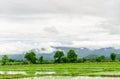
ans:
(91, 56)
(82, 52)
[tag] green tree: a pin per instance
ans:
(84, 60)
(100, 58)
(103, 58)
(79, 60)
(113, 56)
(72, 56)
(65, 59)
(31, 57)
(4, 59)
(58, 56)
(41, 60)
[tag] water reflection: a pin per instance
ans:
(12, 72)
(1, 72)
(16, 72)
(37, 73)
(69, 77)
(108, 73)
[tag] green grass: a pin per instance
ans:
(73, 69)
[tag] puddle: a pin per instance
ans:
(37, 73)
(13, 72)
(16, 72)
(69, 77)
(108, 73)
(1, 72)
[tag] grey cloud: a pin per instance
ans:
(112, 27)
(51, 30)
(44, 13)
(59, 6)
(104, 8)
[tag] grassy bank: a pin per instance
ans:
(73, 69)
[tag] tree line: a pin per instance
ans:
(59, 57)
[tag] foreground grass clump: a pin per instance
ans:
(71, 69)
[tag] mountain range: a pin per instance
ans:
(81, 52)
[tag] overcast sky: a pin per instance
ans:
(29, 24)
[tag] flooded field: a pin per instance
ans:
(104, 70)
(12, 73)
(70, 77)
(1, 72)
(104, 75)
(108, 73)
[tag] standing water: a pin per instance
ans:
(69, 77)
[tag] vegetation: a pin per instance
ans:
(100, 58)
(68, 64)
(58, 56)
(31, 57)
(72, 56)
(4, 59)
(61, 69)
(113, 56)
(41, 60)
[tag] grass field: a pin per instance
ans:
(73, 69)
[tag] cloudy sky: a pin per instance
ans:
(29, 24)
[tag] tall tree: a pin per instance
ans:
(65, 59)
(41, 60)
(4, 59)
(72, 56)
(113, 56)
(58, 56)
(31, 57)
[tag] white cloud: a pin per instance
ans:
(22, 47)
(97, 44)
(76, 23)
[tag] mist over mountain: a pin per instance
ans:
(82, 52)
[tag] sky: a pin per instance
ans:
(31, 24)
